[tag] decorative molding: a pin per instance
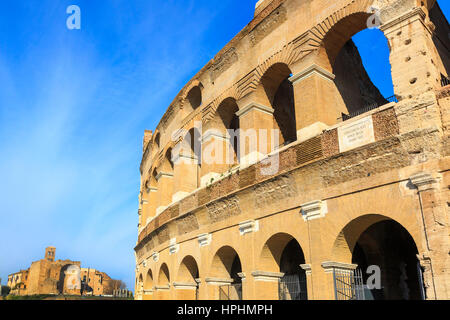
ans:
(258, 107)
(241, 275)
(312, 70)
(307, 268)
(330, 266)
(267, 276)
(162, 288)
(393, 22)
(163, 174)
(184, 286)
(210, 134)
(204, 240)
(155, 256)
(219, 281)
(147, 292)
(248, 227)
(424, 181)
(173, 249)
(314, 210)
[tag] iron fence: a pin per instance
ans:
(230, 292)
(367, 108)
(348, 285)
(445, 81)
(293, 287)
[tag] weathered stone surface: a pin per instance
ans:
(275, 190)
(223, 209)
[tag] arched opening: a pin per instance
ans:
(441, 41)
(140, 286)
(168, 163)
(164, 276)
(359, 59)
(282, 253)
(193, 139)
(148, 285)
(229, 123)
(389, 250)
(389, 246)
(227, 266)
(188, 272)
(279, 94)
(194, 98)
(157, 141)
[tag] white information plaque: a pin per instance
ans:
(356, 134)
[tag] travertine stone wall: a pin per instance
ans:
(339, 178)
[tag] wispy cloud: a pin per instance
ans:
(73, 107)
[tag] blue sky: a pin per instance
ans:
(73, 108)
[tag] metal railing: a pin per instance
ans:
(348, 285)
(367, 108)
(445, 81)
(230, 292)
(293, 287)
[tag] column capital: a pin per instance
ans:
(395, 21)
(254, 106)
(307, 268)
(219, 281)
(267, 276)
(163, 174)
(311, 70)
(184, 285)
(330, 266)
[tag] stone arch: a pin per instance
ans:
(167, 165)
(272, 251)
(376, 240)
(226, 122)
(347, 238)
(148, 284)
(157, 140)
(188, 271)
(440, 38)
(276, 91)
(164, 275)
(226, 264)
(337, 53)
(193, 97)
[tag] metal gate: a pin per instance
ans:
(348, 285)
(230, 292)
(293, 287)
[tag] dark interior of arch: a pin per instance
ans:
(227, 114)
(236, 268)
(280, 92)
(388, 245)
(195, 97)
(294, 280)
(441, 37)
(191, 266)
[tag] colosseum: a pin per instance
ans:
(280, 172)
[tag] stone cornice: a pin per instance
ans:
(253, 105)
(329, 266)
(311, 70)
(219, 281)
(267, 276)
(404, 17)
